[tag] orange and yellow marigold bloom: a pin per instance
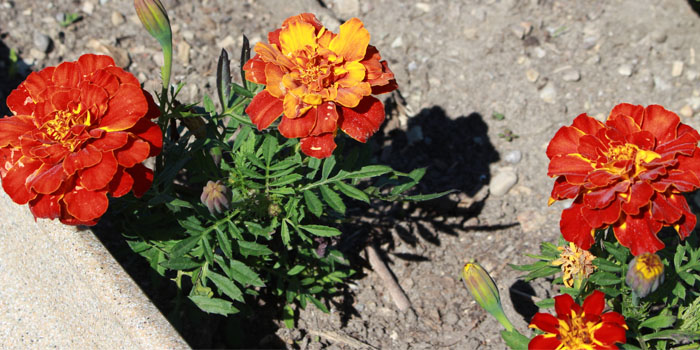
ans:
(628, 173)
(319, 81)
(79, 132)
(578, 327)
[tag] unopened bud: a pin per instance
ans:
(274, 209)
(645, 274)
(155, 19)
(484, 291)
(215, 196)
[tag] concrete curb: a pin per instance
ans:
(60, 288)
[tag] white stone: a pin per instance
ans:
(625, 69)
(548, 93)
(532, 75)
(503, 181)
(677, 69)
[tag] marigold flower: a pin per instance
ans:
(576, 264)
(576, 327)
(320, 81)
(79, 132)
(628, 173)
(215, 196)
(645, 274)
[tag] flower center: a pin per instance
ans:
(575, 334)
(649, 265)
(627, 160)
(60, 127)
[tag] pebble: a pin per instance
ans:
(88, 7)
(532, 75)
(540, 52)
(571, 75)
(503, 181)
(470, 33)
(691, 75)
(346, 8)
(686, 111)
(595, 59)
(117, 18)
(661, 84)
(183, 53)
(42, 42)
(423, 7)
(659, 36)
(677, 69)
(548, 93)
(398, 42)
(228, 41)
(530, 220)
(513, 157)
(625, 69)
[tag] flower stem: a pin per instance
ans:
(168, 62)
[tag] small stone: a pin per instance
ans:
(36, 55)
(228, 41)
(42, 42)
(158, 59)
(470, 33)
(659, 36)
(625, 69)
(451, 318)
(60, 17)
(503, 181)
(686, 111)
(513, 156)
(117, 18)
(571, 75)
(595, 59)
(530, 220)
(677, 69)
(548, 93)
(589, 42)
(423, 7)
(661, 84)
(691, 75)
(183, 52)
(346, 8)
(532, 75)
(540, 52)
(398, 42)
(103, 2)
(88, 7)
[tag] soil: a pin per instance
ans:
(484, 85)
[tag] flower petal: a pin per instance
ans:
(661, 122)
(594, 303)
(610, 333)
(570, 164)
(11, 128)
(575, 228)
(321, 146)
(47, 179)
(544, 342)
(298, 127)
(601, 197)
(19, 102)
(352, 40)
(143, 178)
(597, 218)
(149, 132)
(545, 322)
(564, 190)
(638, 233)
(297, 36)
(687, 222)
(639, 195)
(111, 141)
(67, 74)
(563, 304)
(15, 181)
(125, 109)
(255, 70)
(46, 206)
(90, 63)
(264, 109)
(326, 119)
(121, 184)
(351, 96)
(364, 120)
(664, 211)
(84, 158)
(634, 111)
(99, 176)
(135, 151)
(86, 205)
(273, 75)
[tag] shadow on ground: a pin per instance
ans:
(12, 72)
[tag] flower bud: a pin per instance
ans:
(274, 209)
(215, 196)
(645, 274)
(223, 79)
(484, 291)
(155, 19)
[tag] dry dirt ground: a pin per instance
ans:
(536, 63)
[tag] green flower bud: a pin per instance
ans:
(155, 19)
(485, 292)
(645, 274)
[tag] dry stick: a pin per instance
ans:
(378, 265)
(340, 338)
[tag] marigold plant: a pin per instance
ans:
(319, 81)
(79, 133)
(628, 173)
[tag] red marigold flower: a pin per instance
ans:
(320, 81)
(79, 132)
(577, 327)
(628, 173)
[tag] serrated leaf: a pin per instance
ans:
(269, 147)
(226, 285)
(224, 242)
(606, 265)
(184, 246)
(604, 278)
(673, 334)
(333, 199)
(328, 165)
(658, 322)
(313, 203)
(286, 180)
(320, 230)
(284, 230)
(241, 137)
(244, 274)
(427, 197)
(542, 272)
(213, 305)
(687, 277)
(620, 253)
(253, 249)
(368, 171)
(352, 192)
(180, 263)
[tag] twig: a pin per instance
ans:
(342, 339)
(378, 265)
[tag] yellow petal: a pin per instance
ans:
(351, 43)
(355, 74)
(297, 36)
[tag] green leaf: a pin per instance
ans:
(208, 104)
(607, 265)
(208, 252)
(545, 303)
(673, 334)
(245, 275)
(515, 340)
(318, 304)
(255, 160)
(620, 253)
(542, 272)
(313, 203)
(269, 147)
(333, 199)
(285, 233)
(224, 242)
(295, 270)
(604, 278)
(255, 229)
(427, 197)
(369, 171)
(184, 246)
(288, 316)
(352, 192)
(241, 91)
(658, 322)
(253, 249)
(213, 305)
(242, 136)
(180, 263)
(687, 277)
(226, 285)
(320, 230)
(328, 165)
(417, 174)
(286, 180)
(403, 187)
(531, 267)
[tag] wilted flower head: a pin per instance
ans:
(319, 81)
(485, 293)
(215, 196)
(628, 173)
(645, 274)
(576, 264)
(78, 134)
(578, 327)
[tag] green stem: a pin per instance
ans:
(168, 62)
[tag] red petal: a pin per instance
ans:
(84, 158)
(564, 190)
(105, 80)
(135, 151)
(19, 101)
(642, 139)
(326, 119)
(638, 233)
(298, 127)
(610, 333)
(46, 206)
(635, 112)
(600, 178)
(11, 128)
(121, 183)
(687, 222)
(587, 125)
(153, 109)
(661, 122)
(684, 181)
(563, 304)
(639, 195)
(597, 218)
(255, 70)
(36, 83)
(94, 98)
(97, 177)
(47, 179)
(544, 342)
(125, 109)
(67, 74)
(86, 205)
(613, 317)
(594, 303)
(601, 198)
(111, 140)
(273, 37)
(274, 75)
(143, 178)
(663, 210)
(569, 165)
(623, 124)
(590, 147)
(574, 228)
(15, 181)
(264, 109)
(545, 322)
(364, 120)
(90, 63)
(321, 146)
(123, 76)
(149, 132)
(685, 144)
